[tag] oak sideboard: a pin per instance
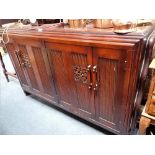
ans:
(93, 73)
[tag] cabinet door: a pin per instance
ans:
(20, 71)
(34, 60)
(70, 65)
(108, 83)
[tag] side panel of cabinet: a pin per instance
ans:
(110, 78)
(69, 65)
(33, 54)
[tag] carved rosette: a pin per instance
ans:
(80, 73)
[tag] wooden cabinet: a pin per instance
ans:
(94, 75)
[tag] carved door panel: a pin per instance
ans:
(71, 67)
(20, 71)
(33, 59)
(108, 84)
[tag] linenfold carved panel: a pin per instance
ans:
(60, 73)
(80, 76)
(108, 72)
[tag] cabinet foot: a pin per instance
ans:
(143, 125)
(26, 93)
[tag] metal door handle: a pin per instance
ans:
(96, 78)
(90, 76)
(90, 86)
(95, 69)
(95, 87)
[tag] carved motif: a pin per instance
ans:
(25, 59)
(24, 56)
(80, 73)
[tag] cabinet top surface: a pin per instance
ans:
(49, 29)
(82, 36)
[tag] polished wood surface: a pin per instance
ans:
(92, 73)
(73, 94)
(31, 62)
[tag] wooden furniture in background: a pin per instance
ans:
(3, 67)
(6, 73)
(92, 73)
(145, 121)
(148, 114)
(48, 21)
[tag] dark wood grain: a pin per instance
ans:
(19, 70)
(73, 94)
(36, 76)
